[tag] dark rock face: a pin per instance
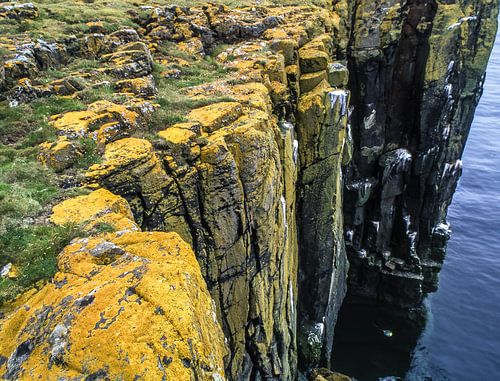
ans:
(416, 75)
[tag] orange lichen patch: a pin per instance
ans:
(73, 124)
(215, 89)
(121, 153)
(142, 86)
(58, 155)
(279, 91)
(192, 46)
(130, 61)
(94, 44)
(287, 47)
(96, 27)
(131, 163)
(253, 94)
(175, 135)
(312, 59)
(109, 132)
(310, 80)
(88, 208)
(217, 115)
(275, 33)
(115, 220)
(124, 306)
(78, 123)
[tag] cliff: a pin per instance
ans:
(282, 147)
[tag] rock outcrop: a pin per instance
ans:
(126, 305)
(417, 70)
(335, 149)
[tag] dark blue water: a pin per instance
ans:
(457, 337)
(462, 337)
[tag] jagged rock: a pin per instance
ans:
(131, 169)
(255, 184)
(107, 120)
(143, 86)
(49, 55)
(338, 74)
(322, 124)
(192, 46)
(25, 92)
(215, 116)
(59, 155)
(124, 36)
(94, 44)
(408, 65)
(123, 306)
(67, 86)
(20, 67)
(131, 60)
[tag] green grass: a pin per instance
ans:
(91, 154)
(172, 99)
(26, 190)
(99, 93)
(27, 125)
(33, 251)
(25, 186)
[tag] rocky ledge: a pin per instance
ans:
(226, 255)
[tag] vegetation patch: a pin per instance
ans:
(32, 251)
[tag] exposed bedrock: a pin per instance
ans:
(336, 150)
(228, 181)
(416, 75)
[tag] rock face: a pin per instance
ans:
(274, 187)
(228, 181)
(127, 305)
(416, 75)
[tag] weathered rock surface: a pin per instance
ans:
(127, 305)
(417, 71)
(261, 185)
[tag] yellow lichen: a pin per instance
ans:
(124, 306)
(217, 115)
(88, 208)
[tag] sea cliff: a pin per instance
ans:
(223, 175)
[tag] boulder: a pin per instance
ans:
(129, 306)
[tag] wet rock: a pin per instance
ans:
(404, 81)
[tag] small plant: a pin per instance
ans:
(91, 154)
(103, 227)
(27, 125)
(33, 251)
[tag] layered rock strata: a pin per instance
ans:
(228, 179)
